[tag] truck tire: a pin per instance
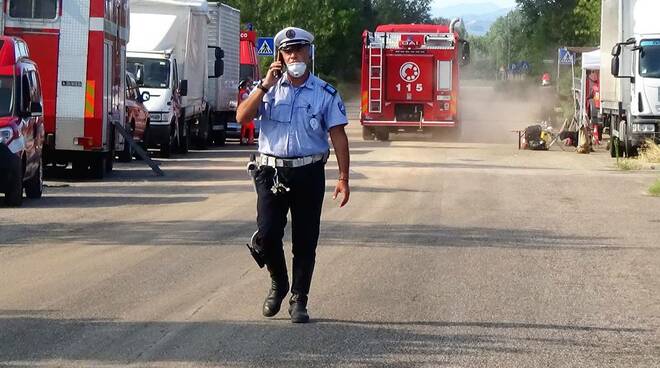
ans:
(98, 167)
(221, 138)
(166, 148)
(367, 134)
(14, 193)
(184, 138)
(383, 134)
(126, 155)
(202, 140)
(34, 187)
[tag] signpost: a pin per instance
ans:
(265, 46)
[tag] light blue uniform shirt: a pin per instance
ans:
(294, 121)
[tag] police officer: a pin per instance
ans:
(297, 111)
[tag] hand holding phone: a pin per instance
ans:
(274, 73)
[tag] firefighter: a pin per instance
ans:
(298, 111)
(247, 129)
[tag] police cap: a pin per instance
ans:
(291, 36)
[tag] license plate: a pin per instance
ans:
(233, 126)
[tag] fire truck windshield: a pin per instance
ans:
(156, 72)
(649, 59)
(6, 95)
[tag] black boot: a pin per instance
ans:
(276, 294)
(298, 308)
(279, 285)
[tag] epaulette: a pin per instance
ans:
(330, 89)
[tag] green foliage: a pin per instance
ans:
(533, 32)
(337, 25)
(654, 190)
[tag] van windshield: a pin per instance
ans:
(156, 72)
(6, 95)
(649, 59)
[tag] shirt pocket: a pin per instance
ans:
(280, 111)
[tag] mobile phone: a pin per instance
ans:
(280, 58)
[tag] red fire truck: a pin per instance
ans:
(80, 48)
(410, 79)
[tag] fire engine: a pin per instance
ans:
(80, 48)
(410, 79)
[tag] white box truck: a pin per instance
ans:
(224, 33)
(168, 53)
(630, 90)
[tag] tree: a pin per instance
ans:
(337, 25)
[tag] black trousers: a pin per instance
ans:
(304, 200)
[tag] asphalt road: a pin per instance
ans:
(449, 254)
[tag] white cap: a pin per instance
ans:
(292, 36)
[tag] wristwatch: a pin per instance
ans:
(261, 87)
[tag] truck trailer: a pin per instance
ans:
(630, 90)
(410, 79)
(224, 35)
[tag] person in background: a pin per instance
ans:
(247, 129)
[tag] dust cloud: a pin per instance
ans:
(490, 112)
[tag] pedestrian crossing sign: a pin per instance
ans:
(265, 46)
(566, 57)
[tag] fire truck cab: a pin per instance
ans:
(410, 79)
(80, 48)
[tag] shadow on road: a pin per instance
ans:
(356, 234)
(34, 338)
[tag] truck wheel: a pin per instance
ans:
(184, 138)
(382, 134)
(367, 134)
(98, 167)
(221, 138)
(14, 193)
(34, 187)
(126, 155)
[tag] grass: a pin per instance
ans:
(628, 164)
(654, 190)
(649, 155)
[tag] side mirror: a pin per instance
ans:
(615, 66)
(36, 109)
(183, 87)
(218, 68)
(139, 75)
(219, 53)
(145, 96)
(616, 50)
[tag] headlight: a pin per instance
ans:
(643, 128)
(157, 116)
(6, 134)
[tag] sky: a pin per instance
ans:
(445, 3)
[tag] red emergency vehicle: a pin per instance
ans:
(410, 79)
(80, 48)
(248, 56)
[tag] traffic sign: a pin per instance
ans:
(265, 46)
(566, 57)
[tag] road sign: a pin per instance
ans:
(566, 57)
(524, 66)
(265, 46)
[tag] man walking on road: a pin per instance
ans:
(297, 112)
